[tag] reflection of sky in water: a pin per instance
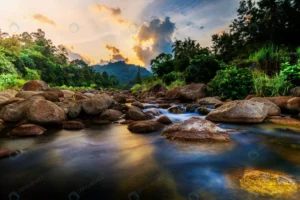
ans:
(131, 162)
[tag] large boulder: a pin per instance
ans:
(295, 92)
(192, 107)
(27, 130)
(203, 111)
(176, 110)
(97, 104)
(26, 94)
(189, 92)
(276, 185)
(145, 127)
(293, 104)
(45, 112)
(12, 93)
(111, 115)
(135, 113)
(57, 91)
(3, 99)
(50, 96)
(35, 85)
(68, 93)
(280, 101)
(243, 111)
(120, 99)
(156, 89)
(4, 94)
(196, 129)
(79, 96)
(209, 101)
(72, 109)
(73, 125)
(273, 109)
(10, 101)
(138, 104)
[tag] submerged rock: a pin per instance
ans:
(111, 115)
(135, 113)
(192, 107)
(164, 120)
(73, 125)
(35, 85)
(176, 110)
(203, 111)
(283, 120)
(268, 183)
(9, 152)
(27, 130)
(244, 111)
(138, 104)
(145, 127)
(196, 129)
(273, 109)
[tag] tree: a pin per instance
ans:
(138, 76)
(162, 64)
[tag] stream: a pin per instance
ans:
(110, 162)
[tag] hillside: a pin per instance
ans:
(124, 72)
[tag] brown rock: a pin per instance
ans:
(283, 120)
(127, 122)
(8, 152)
(27, 130)
(79, 96)
(138, 104)
(157, 89)
(97, 104)
(273, 109)
(135, 113)
(12, 93)
(68, 94)
(10, 101)
(203, 111)
(50, 96)
(27, 94)
(35, 85)
(71, 109)
(4, 94)
(57, 91)
(281, 101)
(164, 105)
(189, 92)
(250, 96)
(73, 125)
(196, 129)
(244, 111)
(176, 110)
(145, 127)
(164, 120)
(209, 101)
(120, 99)
(111, 115)
(191, 107)
(3, 99)
(130, 100)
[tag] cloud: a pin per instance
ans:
(160, 33)
(114, 12)
(115, 56)
(73, 56)
(44, 19)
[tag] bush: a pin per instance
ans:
(31, 74)
(10, 81)
(173, 76)
(202, 69)
(270, 86)
(177, 83)
(231, 83)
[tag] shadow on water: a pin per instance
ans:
(109, 162)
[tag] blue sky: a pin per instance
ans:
(101, 31)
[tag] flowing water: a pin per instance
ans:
(109, 162)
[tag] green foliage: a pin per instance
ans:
(5, 65)
(162, 64)
(202, 69)
(31, 74)
(176, 83)
(138, 76)
(172, 77)
(265, 85)
(231, 83)
(291, 72)
(10, 81)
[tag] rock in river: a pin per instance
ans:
(176, 110)
(145, 127)
(96, 105)
(273, 109)
(8, 152)
(73, 125)
(135, 113)
(164, 120)
(196, 129)
(243, 111)
(111, 115)
(27, 130)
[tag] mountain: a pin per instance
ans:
(125, 73)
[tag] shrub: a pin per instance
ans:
(291, 72)
(31, 74)
(177, 83)
(231, 83)
(173, 76)
(270, 86)
(10, 81)
(202, 69)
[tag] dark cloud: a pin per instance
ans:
(44, 19)
(115, 56)
(160, 32)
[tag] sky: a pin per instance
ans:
(135, 31)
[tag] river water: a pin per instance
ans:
(110, 162)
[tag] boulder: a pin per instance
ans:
(79, 96)
(203, 111)
(283, 120)
(273, 109)
(26, 94)
(164, 120)
(111, 115)
(145, 127)
(189, 92)
(120, 99)
(130, 100)
(209, 101)
(12, 93)
(243, 111)
(276, 185)
(164, 105)
(45, 112)
(3, 99)
(27, 130)
(9, 152)
(50, 96)
(35, 85)
(89, 94)
(138, 104)
(71, 109)
(73, 125)
(176, 110)
(293, 104)
(280, 101)
(295, 92)
(153, 112)
(68, 94)
(156, 89)
(160, 94)
(135, 113)
(196, 129)
(4, 94)
(10, 101)
(97, 104)
(57, 91)
(127, 122)
(250, 96)
(191, 107)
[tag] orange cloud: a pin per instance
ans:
(115, 56)
(44, 19)
(114, 12)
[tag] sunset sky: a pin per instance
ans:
(100, 31)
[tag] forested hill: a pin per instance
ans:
(125, 73)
